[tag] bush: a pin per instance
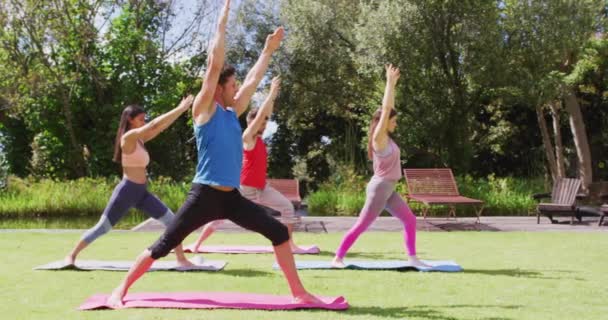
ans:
(506, 196)
(73, 199)
(29, 200)
(323, 202)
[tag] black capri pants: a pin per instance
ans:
(205, 204)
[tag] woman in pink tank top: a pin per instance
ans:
(386, 157)
(131, 192)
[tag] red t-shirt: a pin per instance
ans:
(255, 164)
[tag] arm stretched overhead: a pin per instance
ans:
(204, 107)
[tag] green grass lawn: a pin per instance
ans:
(507, 276)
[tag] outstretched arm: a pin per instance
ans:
(156, 126)
(264, 112)
(255, 75)
(380, 135)
(203, 107)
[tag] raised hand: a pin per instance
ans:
(392, 73)
(275, 86)
(186, 102)
(273, 41)
(225, 12)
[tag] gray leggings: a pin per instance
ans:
(127, 195)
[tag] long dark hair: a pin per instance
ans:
(130, 112)
(372, 127)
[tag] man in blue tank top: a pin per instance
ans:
(214, 193)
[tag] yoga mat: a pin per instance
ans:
(247, 249)
(213, 300)
(209, 265)
(443, 266)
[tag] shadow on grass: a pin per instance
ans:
(369, 255)
(464, 226)
(519, 273)
(245, 273)
(426, 312)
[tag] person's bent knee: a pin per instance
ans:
(215, 224)
(167, 218)
(410, 219)
(279, 235)
(102, 227)
(162, 247)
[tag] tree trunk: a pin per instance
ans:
(544, 131)
(76, 152)
(579, 133)
(557, 135)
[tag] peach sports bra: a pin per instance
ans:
(138, 158)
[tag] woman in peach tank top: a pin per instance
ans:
(131, 192)
(380, 192)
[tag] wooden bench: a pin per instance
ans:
(437, 187)
(563, 200)
(290, 188)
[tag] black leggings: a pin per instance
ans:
(205, 204)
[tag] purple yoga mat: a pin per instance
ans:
(247, 249)
(213, 300)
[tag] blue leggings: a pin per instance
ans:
(127, 195)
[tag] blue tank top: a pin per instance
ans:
(220, 149)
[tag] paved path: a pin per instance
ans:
(341, 224)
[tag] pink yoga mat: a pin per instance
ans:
(247, 249)
(213, 300)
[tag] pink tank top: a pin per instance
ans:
(138, 158)
(387, 163)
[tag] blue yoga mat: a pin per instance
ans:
(210, 265)
(442, 266)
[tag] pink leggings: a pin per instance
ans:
(381, 195)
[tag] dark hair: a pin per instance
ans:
(372, 127)
(130, 112)
(227, 72)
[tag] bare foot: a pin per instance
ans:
(307, 298)
(69, 260)
(338, 263)
(295, 248)
(415, 262)
(115, 300)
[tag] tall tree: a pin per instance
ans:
(326, 100)
(543, 39)
(446, 51)
(69, 67)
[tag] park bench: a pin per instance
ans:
(437, 187)
(290, 188)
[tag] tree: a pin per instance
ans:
(447, 53)
(589, 78)
(325, 100)
(543, 40)
(69, 68)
